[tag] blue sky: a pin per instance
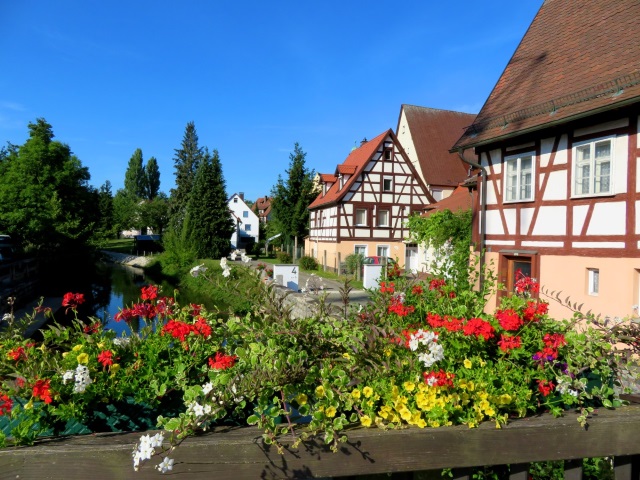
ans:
(254, 76)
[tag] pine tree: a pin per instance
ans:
(208, 222)
(187, 159)
(135, 182)
(105, 205)
(291, 199)
(152, 174)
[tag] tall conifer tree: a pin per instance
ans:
(187, 159)
(152, 174)
(208, 221)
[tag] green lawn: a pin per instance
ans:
(120, 245)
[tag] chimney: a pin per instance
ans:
(241, 195)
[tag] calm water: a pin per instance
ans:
(108, 288)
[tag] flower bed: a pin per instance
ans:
(422, 355)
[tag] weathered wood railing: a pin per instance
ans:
(238, 453)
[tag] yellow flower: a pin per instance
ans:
(64, 354)
(367, 391)
(29, 405)
(331, 412)
(365, 421)
(409, 386)
(101, 345)
(467, 363)
(505, 399)
(301, 399)
(356, 395)
(387, 352)
(114, 368)
(320, 391)
(77, 348)
(482, 363)
(405, 413)
(83, 358)
(346, 355)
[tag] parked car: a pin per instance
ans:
(375, 260)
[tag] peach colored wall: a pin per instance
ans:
(619, 284)
(396, 250)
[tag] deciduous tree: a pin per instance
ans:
(135, 180)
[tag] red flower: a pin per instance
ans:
(106, 358)
(545, 387)
(387, 287)
(222, 361)
(437, 284)
(6, 404)
(93, 328)
(509, 319)
(525, 284)
(202, 327)
(17, 354)
(125, 314)
(417, 290)
(145, 310)
(507, 342)
(397, 306)
(20, 382)
(534, 311)
(438, 379)
(72, 300)
(479, 328)
(41, 391)
(554, 340)
(150, 292)
(195, 309)
(177, 329)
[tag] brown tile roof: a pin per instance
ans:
(346, 169)
(262, 203)
(434, 132)
(460, 199)
(358, 158)
(574, 59)
(328, 178)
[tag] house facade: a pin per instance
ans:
(558, 147)
(364, 204)
(246, 221)
(262, 208)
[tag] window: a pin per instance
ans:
(592, 168)
(361, 216)
(360, 250)
(519, 178)
(593, 280)
(514, 266)
(387, 184)
(235, 199)
(245, 214)
(383, 250)
(387, 154)
(383, 218)
(247, 227)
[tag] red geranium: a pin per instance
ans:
(72, 300)
(438, 379)
(6, 404)
(222, 361)
(545, 387)
(507, 342)
(387, 287)
(417, 290)
(17, 354)
(509, 319)
(150, 292)
(106, 358)
(479, 328)
(41, 390)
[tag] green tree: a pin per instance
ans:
(125, 211)
(106, 227)
(46, 202)
(208, 222)
(152, 174)
(135, 180)
(291, 198)
(155, 213)
(187, 159)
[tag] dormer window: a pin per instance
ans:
(387, 154)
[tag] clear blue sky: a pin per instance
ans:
(254, 76)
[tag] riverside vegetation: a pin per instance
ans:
(423, 354)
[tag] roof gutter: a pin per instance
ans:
(483, 212)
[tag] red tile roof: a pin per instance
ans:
(578, 57)
(357, 159)
(262, 203)
(328, 177)
(434, 132)
(460, 199)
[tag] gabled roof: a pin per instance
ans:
(433, 133)
(460, 199)
(264, 204)
(328, 178)
(578, 57)
(358, 159)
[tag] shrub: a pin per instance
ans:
(308, 263)
(354, 262)
(283, 257)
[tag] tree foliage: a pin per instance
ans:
(106, 226)
(152, 176)
(208, 222)
(135, 181)
(449, 235)
(46, 203)
(187, 159)
(291, 198)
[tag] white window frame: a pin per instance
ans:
(386, 251)
(390, 179)
(247, 227)
(592, 163)
(357, 224)
(361, 247)
(388, 220)
(518, 188)
(593, 281)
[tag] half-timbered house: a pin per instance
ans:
(558, 145)
(364, 204)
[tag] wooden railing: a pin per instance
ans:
(238, 453)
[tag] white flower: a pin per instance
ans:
(165, 465)
(197, 270)
(226, 272)
(223, 262)
(146, 448)
(121, 341)
(7, 317)
(245, 259)
(82, 379)
(66, 376)
(232, 256)
(207, 387)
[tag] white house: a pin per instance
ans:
(247, 223)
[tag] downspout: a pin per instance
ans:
(483, 212)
